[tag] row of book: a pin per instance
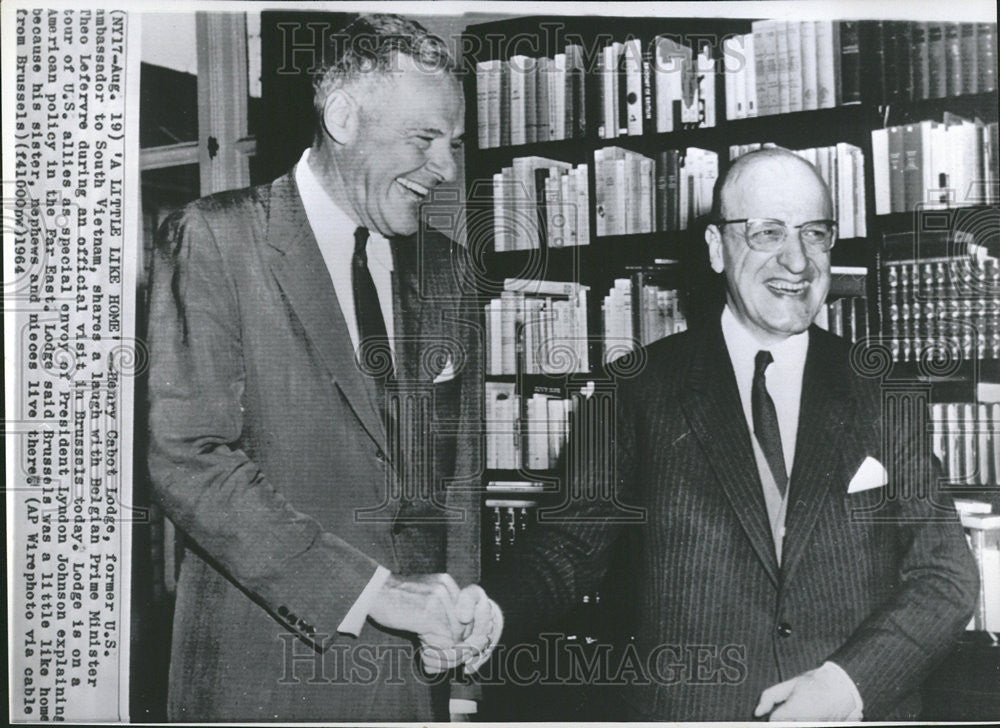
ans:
(917, 61)
(842, 167)
(944, 299)
(783, 66)
(966, 439)
(637, 313)
(537, 327)
(507, 518)
(638, 194)
(525, 100)
(846, 317)
(539, 201)
(665, 87)
(531, 436)
(935, 164)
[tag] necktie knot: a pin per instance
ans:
(360, 243)
(761, 363)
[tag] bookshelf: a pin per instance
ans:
(869, 95)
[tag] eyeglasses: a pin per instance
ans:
(766, 235)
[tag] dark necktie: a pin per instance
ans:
(765, 422)
(373, 342)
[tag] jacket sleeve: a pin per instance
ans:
(206, 484)
(893, 651)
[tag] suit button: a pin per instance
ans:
(379, 455)
(784, 629)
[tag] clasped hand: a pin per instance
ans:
(455, 626)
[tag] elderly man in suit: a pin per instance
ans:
(301, 434)
(791, 536)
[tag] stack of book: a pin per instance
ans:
(932, 302)
(935, 164)
(966, 439)
(916, 61)
(637, 312)
(531, 436)
(637, 194)
(537, 327)
(843, 169)
(667, 86)
(539, 201)
(525, 100)
(784, 66)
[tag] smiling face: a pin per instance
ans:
(405, 143)
(774, 294)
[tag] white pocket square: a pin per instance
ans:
(447, 374)
(870, 475)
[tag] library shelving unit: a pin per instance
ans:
(599, 261)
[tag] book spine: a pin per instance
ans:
(825, 66)
(953, 59)
(912, 167)
(904, 74)
(986, 41)
(530, 100)
(810, 90)
(706, 86)
(632, 57)
(505, 104)
(920, 62)
(969, 51)
(784, 69)
(621, 88)
(648, 93)
(850, 62)
(880, 166)
(795, 92)
(937, 69)
(518, 103)
(897, 193)
(482, 104)
(751, 75)
(582, 206)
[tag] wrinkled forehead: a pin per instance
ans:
(784, 188)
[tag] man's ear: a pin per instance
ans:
(341, 117)
(713, 237)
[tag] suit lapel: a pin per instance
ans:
(301, 273)
(712, 405)
(819, 445)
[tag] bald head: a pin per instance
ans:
(772, 173)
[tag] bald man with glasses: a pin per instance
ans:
(793, 535)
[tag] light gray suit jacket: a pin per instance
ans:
(269, 455)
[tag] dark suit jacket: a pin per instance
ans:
(268, 454)
(881, 592)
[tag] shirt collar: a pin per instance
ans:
(328, 220)
(789, 354)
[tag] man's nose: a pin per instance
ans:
(792, 255)
(442, 162)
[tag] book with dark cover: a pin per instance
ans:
(623, 92)
(913, 169)
(904, 79)
(920, 62)
(969, 50)
(874, 39)
(986, 41)
(953, 59)
(673, 192)
(897, 201)
(850, 62)
(937, 65)
(661, 220)
(542, 174)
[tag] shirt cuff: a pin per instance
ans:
(836, 672)
(462, 706)
(475, 663)
(354, 620)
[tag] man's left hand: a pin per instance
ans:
(826, 694)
